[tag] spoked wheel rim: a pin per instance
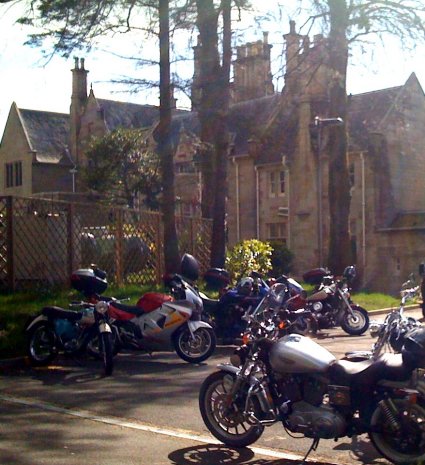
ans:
(42, 344)
(225, 414)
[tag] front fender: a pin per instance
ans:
(228, 368)
(194, 325)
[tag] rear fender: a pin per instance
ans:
(34, 321)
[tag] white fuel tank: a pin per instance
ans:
(299, 354)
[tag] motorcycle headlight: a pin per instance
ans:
(101, 307)
(374, 329)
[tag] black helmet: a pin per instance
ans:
(189, 267)
(414, 348)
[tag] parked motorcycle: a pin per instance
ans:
(295, 381)
(331, 302)
(226, 312)
(57, 330)
(158, 321)
(392, 333)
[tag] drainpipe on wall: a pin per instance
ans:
(363, 216)
(238, 231)
(257, 195)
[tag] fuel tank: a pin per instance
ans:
(299, 354)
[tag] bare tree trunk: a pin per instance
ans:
(340, 253)
(171, 250)
(213, 114)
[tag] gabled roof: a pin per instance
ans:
(47, 134)
(367, 112)
(129, 115)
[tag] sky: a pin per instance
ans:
(33, 84)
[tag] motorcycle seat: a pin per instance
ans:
(368, 372)
(209, 303)
(58, 312)
(133, 309)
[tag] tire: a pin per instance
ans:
(41, 344)
(357, 325)
(406, 446)
(226, 422)
(93, 348)
(197, 349)
(106, 343)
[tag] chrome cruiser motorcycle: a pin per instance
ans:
(294, 381)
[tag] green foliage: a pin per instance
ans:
(247, 256)
(281, 258)
(121, 165)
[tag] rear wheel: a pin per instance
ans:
(356, 323)
(402, 442)
(195, 349)
(223, 414)
(41, 346)
(106, 343)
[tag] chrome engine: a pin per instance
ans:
(322, 422)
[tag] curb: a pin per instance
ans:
(383, 311)
(13, 363)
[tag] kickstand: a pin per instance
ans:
(312, 447)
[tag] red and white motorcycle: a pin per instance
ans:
(159, 322)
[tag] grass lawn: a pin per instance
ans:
(15, 309)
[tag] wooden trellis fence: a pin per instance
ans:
(43, 241)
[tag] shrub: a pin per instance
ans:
(249, 255)
(281, 258)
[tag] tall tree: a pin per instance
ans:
(213, 113)
(73, 24)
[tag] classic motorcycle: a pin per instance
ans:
(331, 302)
(57, 330)
(298, 383)
(392, 332)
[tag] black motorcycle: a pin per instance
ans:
(331, 301)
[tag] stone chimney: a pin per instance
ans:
(78, 103)
(294, 45)
(252, 70)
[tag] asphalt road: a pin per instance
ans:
(146, 413)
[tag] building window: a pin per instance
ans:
(276, 231)
(13, 174)
(276, 183)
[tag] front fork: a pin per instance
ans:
(346, 302)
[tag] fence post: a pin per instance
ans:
(158, 241)
(10, 244)
(70, 237)
(118, 246)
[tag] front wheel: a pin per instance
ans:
(41, 345)
(356, 323)
(224, 414)
(402, 441)
(196, 348)
(106, 348)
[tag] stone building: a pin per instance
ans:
(277, 175)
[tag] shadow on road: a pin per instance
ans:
(212, 454)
